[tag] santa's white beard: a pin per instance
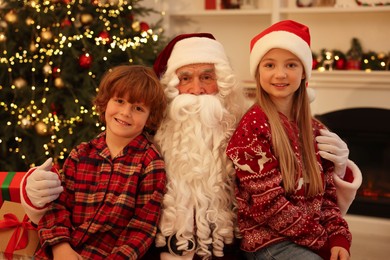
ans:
(192, 140)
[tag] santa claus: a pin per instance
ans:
(205, 105)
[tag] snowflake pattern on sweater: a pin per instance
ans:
(266, 215)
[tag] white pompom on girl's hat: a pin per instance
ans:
(288, 35)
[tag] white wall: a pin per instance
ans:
(330, 31)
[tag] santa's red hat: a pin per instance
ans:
(188, 49)
(288, 35)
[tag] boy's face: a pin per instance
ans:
(125, 120)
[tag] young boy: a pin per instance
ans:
(113, 184)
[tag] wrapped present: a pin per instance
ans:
(10, 186)
(19, 239)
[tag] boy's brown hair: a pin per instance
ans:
(140, 85)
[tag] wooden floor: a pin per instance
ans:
(370, 237)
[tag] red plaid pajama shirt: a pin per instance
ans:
(110, 207)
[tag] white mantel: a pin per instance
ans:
(337, 90)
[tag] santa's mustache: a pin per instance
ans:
(207, 108)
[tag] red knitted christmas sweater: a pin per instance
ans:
(266, 215)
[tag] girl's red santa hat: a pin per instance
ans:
(288, 35)
(188, 49)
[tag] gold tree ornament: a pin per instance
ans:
(59, 83)
(47, 70)
(33, 47)
(41, 128)
(46, 35)
(33, 2)
(3, 37)
(86, 18)
(3, 24)
(11, 17)
(29, 21)
(20, 83)
(136, 26)
(25, 123)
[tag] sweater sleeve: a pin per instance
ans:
(331, 218)
(34, 213)
(346, 188)
(55, 225)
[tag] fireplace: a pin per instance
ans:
(356, 106)
(357, 91)
(367, 133)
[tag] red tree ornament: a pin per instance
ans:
(53, 108)
(85, 60)
(66, 23)
(105, 36)
(144, 26)
(56, 72)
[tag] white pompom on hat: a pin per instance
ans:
(288, 35)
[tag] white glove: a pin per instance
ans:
(333, 148)
(43, 186)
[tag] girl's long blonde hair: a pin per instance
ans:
(288, 162)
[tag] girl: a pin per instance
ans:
(285, 190)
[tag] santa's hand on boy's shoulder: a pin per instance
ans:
(333, 148)
(43, 185)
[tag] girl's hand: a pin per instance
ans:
(339, 253)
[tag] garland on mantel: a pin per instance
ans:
(354, 59)
(361, 3)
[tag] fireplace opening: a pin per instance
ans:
(367, 134)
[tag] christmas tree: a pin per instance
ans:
(53, 54)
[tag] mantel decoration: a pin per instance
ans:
(315, 3)
(339, 3)
(354, 59)
(371, 3)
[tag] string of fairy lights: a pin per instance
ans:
(39, 55)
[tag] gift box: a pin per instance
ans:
(10, 186)
(19, 239)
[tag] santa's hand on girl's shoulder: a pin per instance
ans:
(333, 148)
